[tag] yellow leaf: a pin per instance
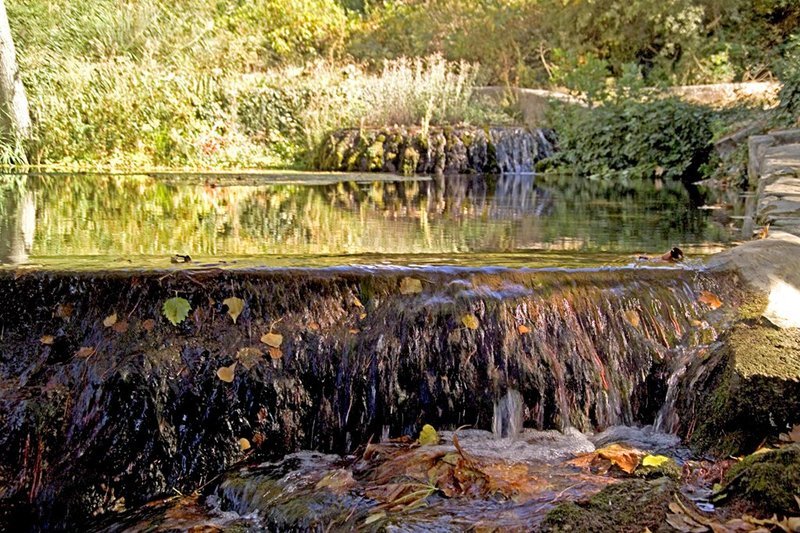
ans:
(710, 299)
(244, 444)
(235, 307)
(633, 318)
(428, 436)
(47, 339)
(272, 339)
(523, 329)
(357, 302)
(354, 331)
(362, 316)
(410, 286)
(227, 373)
(274, 352)
(470, 321)
(654, 460)
(313, 326)
(110, 320)
(374, 518)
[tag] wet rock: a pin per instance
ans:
(97, 419)
(629, 506)
(745, 390)
(769, 482)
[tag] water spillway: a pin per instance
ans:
(106, 414)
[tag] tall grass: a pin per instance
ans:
(202, 84)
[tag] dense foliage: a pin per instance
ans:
(635, 137)
(255, 83)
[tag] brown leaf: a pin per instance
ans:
(275, 352)
(353, 331)
(794, 436)
(149, 324)
(249, 356)
(121, 326)
(624, 457)
(86, 351)
(470, 321)
(64, 311)
(47, 339)
(710, 299)
(410, 286)
(235, 307)
(273, 340)
(258, 438)
(227, 373)
(110, 320)
(313, 326)
(523, 329)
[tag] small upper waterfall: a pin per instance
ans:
(518, 149)
(508, 415)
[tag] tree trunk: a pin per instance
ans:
(15, 120)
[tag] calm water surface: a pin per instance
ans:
(121, 221)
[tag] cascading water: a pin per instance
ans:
(508, 415)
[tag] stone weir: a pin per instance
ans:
(442, 150)
(105, 404)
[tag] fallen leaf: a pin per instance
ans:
(227, 373)
(258, 438)
(362, 316)
(339, 481)
(235, 307)
(374, 518)
(627, 459)
(654, 460)
(149, 324)
(275, 352)
(353, 331)
(710, 299)
(794, 436)
(64, 311)
(249, 356)
(244, 444)
(632, 317)
(313, 326)
(470, 321)
(120, 326)
(410, 286)
(355, 301)
(272, 339)
(523, 329)
(47, 339)
(86, 351)
(428, 436)
(176, 310)
(110, 320)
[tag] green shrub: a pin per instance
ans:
(635, 137)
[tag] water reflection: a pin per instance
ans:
(139, 216)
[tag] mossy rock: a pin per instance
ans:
(630, 506)
(769, 481)
(744, 391)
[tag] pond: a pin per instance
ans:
(298, 219)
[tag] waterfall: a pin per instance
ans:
(518, 149)
(508, 415)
